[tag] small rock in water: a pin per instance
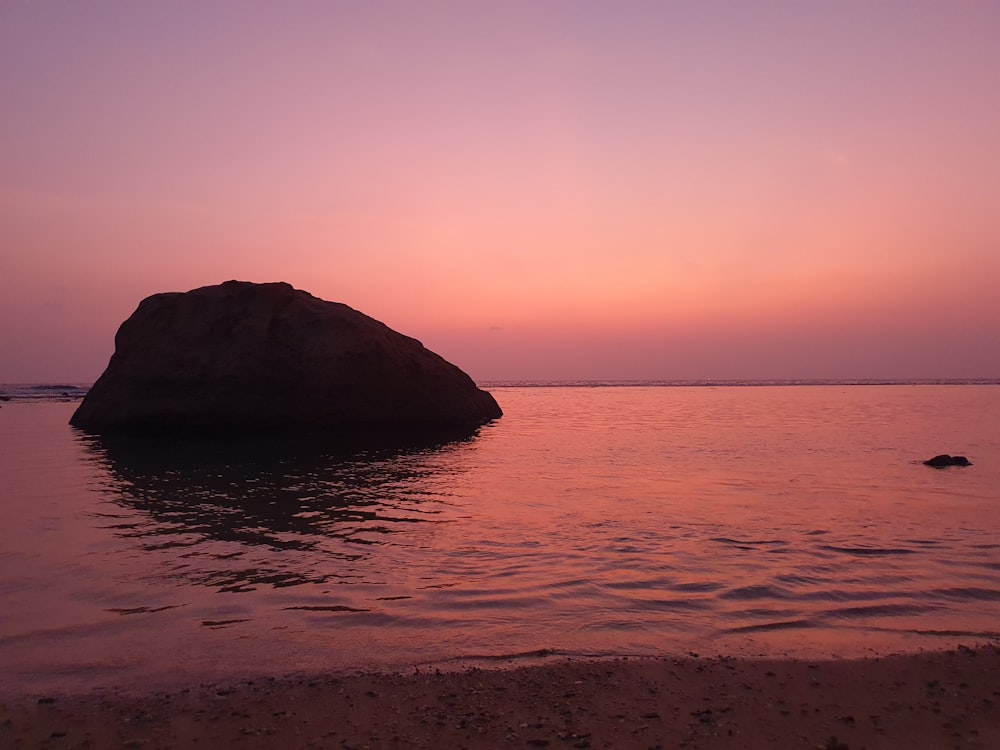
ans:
(945, 460)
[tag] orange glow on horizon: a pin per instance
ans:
(578, 171)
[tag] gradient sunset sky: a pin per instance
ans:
(561, 190)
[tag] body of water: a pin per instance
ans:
(592, 520)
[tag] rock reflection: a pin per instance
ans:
(240, 513)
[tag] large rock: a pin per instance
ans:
(241, 356)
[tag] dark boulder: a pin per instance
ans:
(945, 460)
(242, 356)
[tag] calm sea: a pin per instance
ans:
(591, 520)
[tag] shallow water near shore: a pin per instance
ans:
(588, 521)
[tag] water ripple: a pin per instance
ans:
(587, 520)
(868, 551)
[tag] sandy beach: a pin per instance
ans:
(930, 700)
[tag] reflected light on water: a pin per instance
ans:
(240, 514)
(586, 522)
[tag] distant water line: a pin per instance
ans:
(73, 391)
(731, 383)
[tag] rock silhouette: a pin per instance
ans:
(945, 460)
(242, 356)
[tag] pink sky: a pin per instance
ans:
(533, 189)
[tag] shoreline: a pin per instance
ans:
(925, 700)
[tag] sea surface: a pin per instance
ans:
(592, 520)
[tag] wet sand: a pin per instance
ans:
(931, 700)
